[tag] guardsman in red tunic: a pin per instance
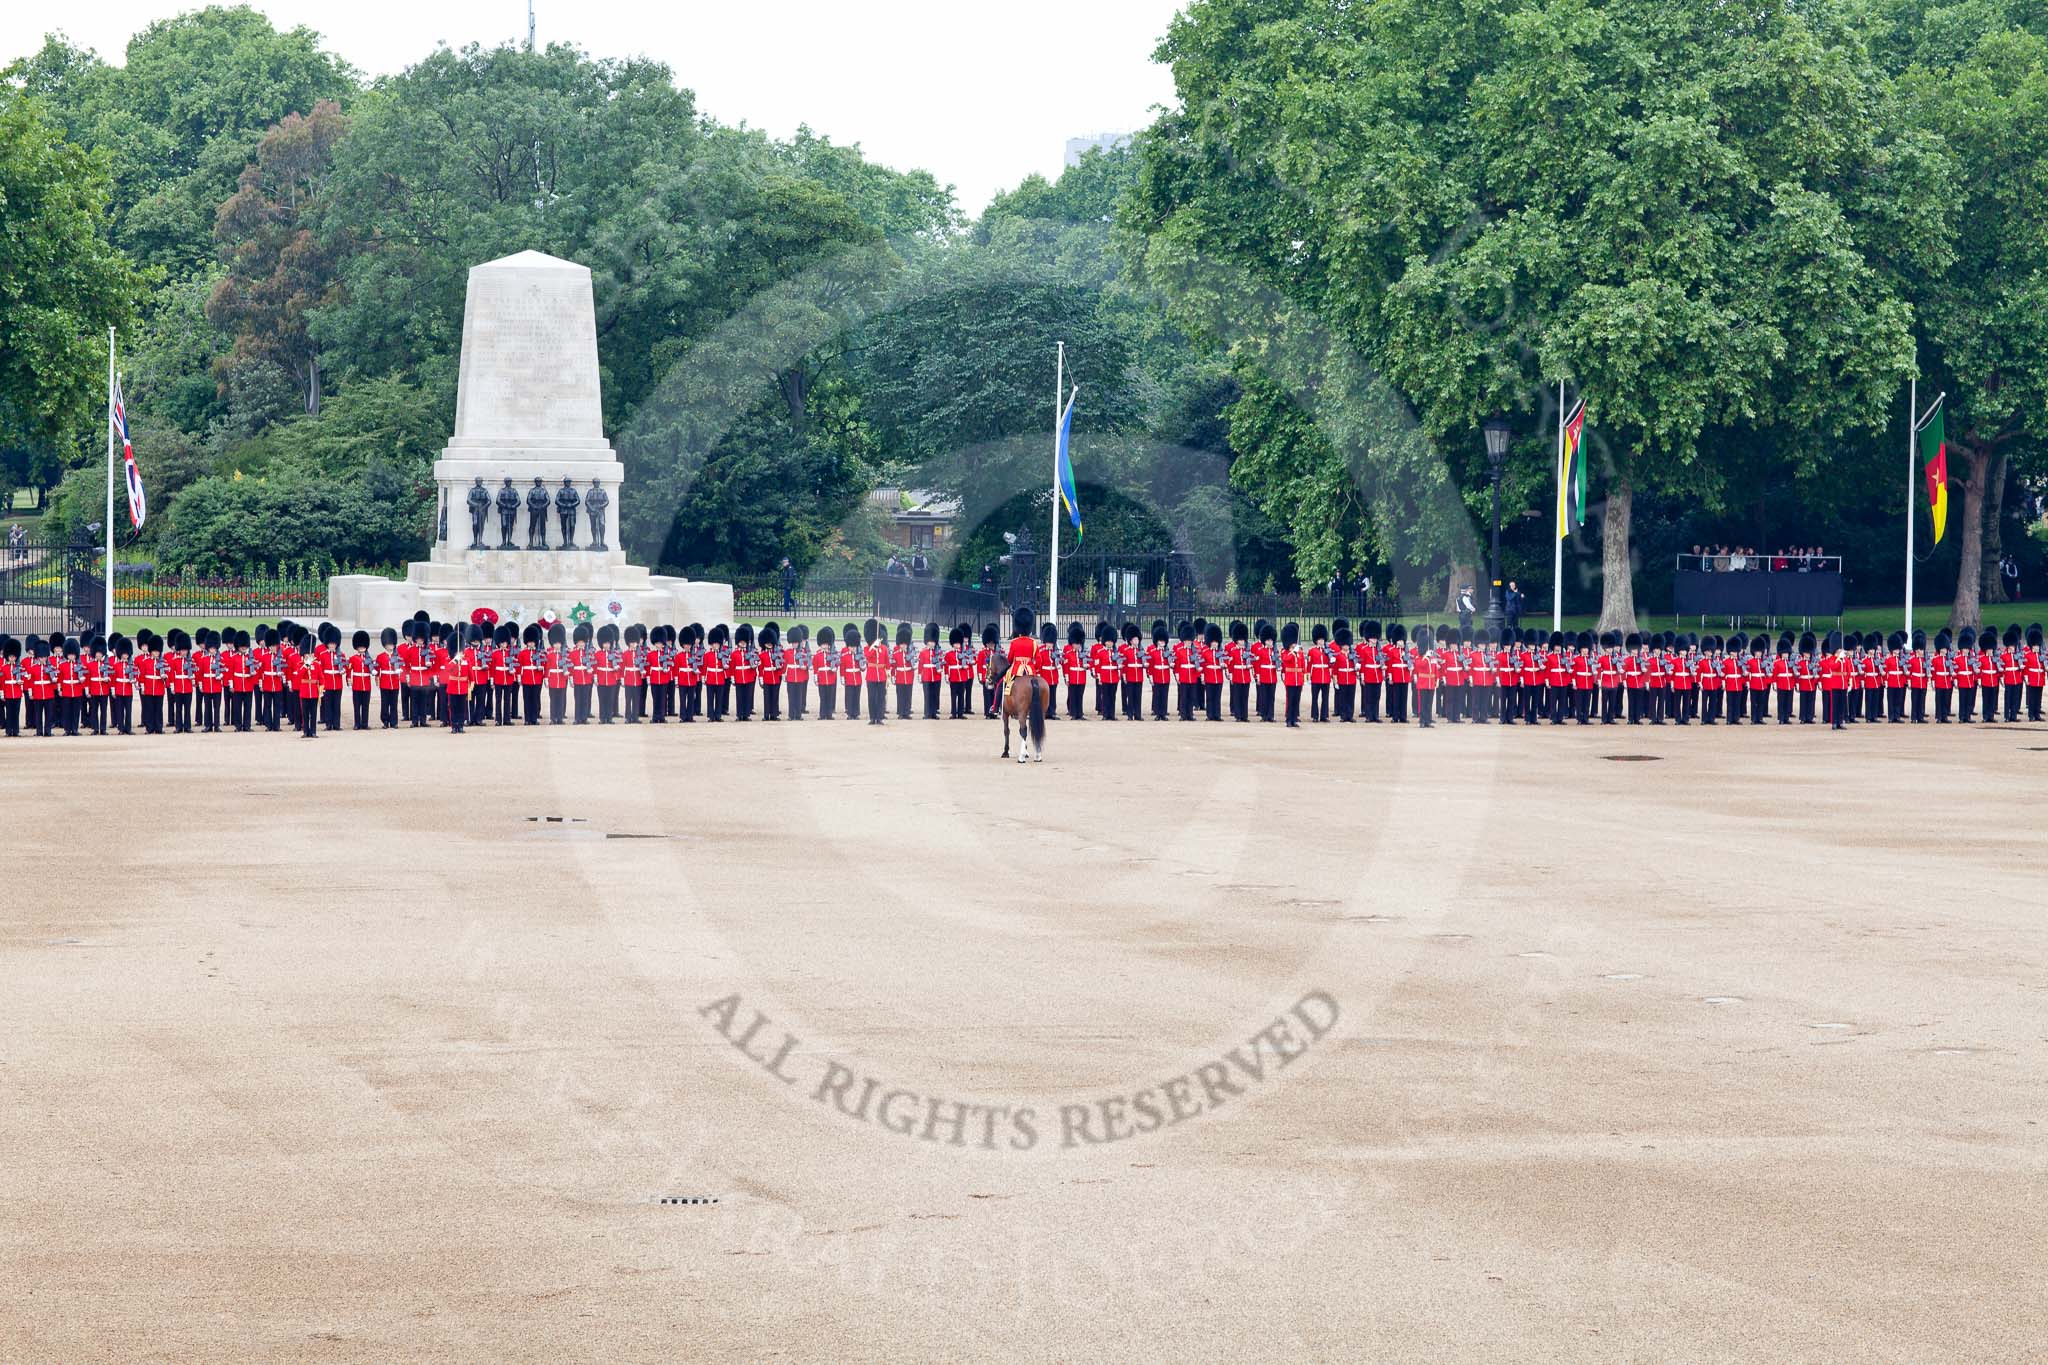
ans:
(1130, 667)
(554, 664)
(121, 677)
(1265, 669)
(1635, 677)
(583, 671)
(1372, 672)
(390, 678)
(853, 668)
(12, 689)
(1450, 682)
(1102, 661)
(1834, 681)
(1213, 671)
(959, 673)
(529, 671)
(1399, 667)
(1806, 676)
(306, 686)
(1187, 670)
(1782, 681)
(2034, 672)
(1320, 670)
(1293, 670)
(1238, 659)
(773, 664)
(1963, 663)
(1583, 678)
(39, 687)
(903, 669)
(1941, 675)
(611, 668)
(1073, 669)
(362, 678)
(178, 679)
(1894, 667)
(1873, 677)
(929, 670)
(876, 675)
(2012, 672)
(92, 673)
(1159, 668)
(1916, 677)
(1343, 673)
(150, 684)
(796, 678)
(455, 681)
(1427, 670)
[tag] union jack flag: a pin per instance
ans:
(138, 504)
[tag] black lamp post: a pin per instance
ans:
(1497, 433)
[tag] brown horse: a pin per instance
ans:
(1025, 700)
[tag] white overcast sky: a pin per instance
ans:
(979, 94)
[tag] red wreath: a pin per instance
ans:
(483, 616)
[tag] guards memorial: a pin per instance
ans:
(528, 513)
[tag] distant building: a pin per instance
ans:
(1078, 147)
(918, 520)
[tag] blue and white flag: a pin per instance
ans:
(1064, 467)
(138, 504)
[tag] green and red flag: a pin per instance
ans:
(1933, 431)
(1571, 473)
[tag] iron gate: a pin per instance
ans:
(51, 585)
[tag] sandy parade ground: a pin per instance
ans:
(1195, 1042)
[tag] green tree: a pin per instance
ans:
(280, 266)
(62, 283)
(1442, 208)
(1977, 75)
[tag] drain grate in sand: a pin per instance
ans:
(1633, 758)
(688, 1199)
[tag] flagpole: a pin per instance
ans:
(1059, 393)
(1912, 419)
(107, 620)
(1557, 536)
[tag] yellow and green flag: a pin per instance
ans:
(1571, 473)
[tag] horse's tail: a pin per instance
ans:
(1041, 701)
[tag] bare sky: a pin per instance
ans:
(979, 94)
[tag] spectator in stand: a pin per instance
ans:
(1700, 560)
(1735, 561)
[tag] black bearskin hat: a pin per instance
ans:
(1023, 621)
(1048, 633)
(1806, 643)
(2034, 635)
(1397, 632)
(1896, 640)
(556, 635)
(850, 635)
(1942, 639)
(990, 635)
(1290, 635)
(1076, 635)
(770, 637)
(580, 635)
(1159, 632)
(1966, 638)
(1238, 632)
(1213, 636)
(743, 634)
(1832, 644)
(824, 636)
(1369, 630)
(1185, 630)
(1319, 634)
(1919, 640)
(360, 640)
(931, 632)
(903, 632)
(1343, 636)
(1131, 631)
(2012, 635)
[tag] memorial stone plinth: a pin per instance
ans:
(528, 406)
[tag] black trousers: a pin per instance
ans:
(2012, 701)
(1240, 701)
(1266, 701)
(581, 692)
(1966, 703)
(1318, 701)
(903, 701)
(795, 710)
(1105, 699)
(1369, 702)
(558, 704)
(607, 703)
(1806, 708)
(1397, 702)
(1346, 699)
(1134, 698)
(1188, 695)
(124, 715)
(1073, 700)
(1425, 703)
(743, 694)
(10, 718)
(877, 700)
(2033, 701)
(1213, 696)
(852, 691)
(361, 709)
(828, 697)
(309, 717)
(1294, 705)
(931, 700)
(771, 699)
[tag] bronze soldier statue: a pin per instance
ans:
(508, 514)
(479, 508)
(566, 503)
(596, 502)
(537, 516)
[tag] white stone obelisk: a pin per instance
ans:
(528, 406)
